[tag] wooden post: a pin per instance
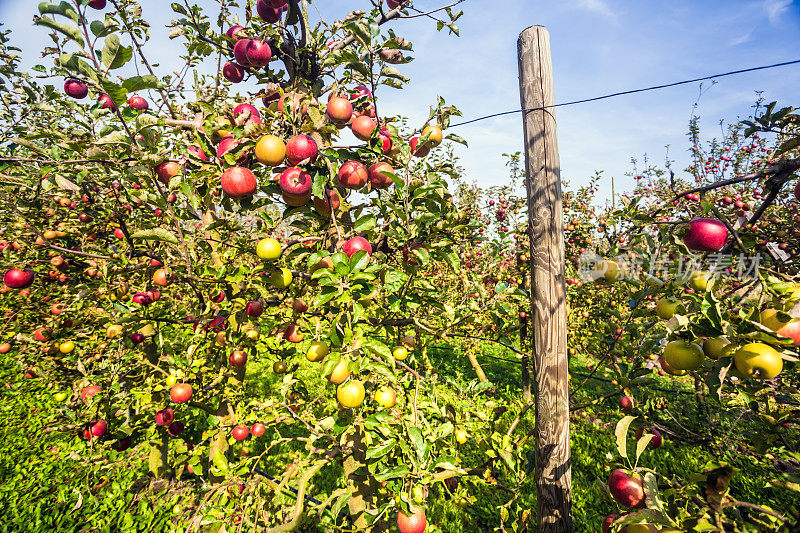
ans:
(548, 294)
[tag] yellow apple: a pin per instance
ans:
(758, 360)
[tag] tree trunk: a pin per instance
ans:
(476, 365)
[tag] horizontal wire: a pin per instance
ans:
(633, 91)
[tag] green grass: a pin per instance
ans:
(43, 487)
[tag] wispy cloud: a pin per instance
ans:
(776, 8)
(600, 7)
(741, 39)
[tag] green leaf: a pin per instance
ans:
(456, 138)
(652, 499)
(391, 72)
(113, 55)
(114, 91)
(115, 137)
(374, 28)
(376, 452)
(64, 9)
(155, 234)
(101, 29)
(140, 83)
(621, 433)
(78, 66)
(421, 446)
(359, 31)
(378, 348)
(788, 145)
(365, 223)
(68, 31)
(641, 444)
(359, 261)
(398, 472)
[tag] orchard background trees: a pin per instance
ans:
(224, 309)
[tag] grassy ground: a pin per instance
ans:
(44, 488)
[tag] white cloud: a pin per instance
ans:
(600, 7)
(741, 39)
(776, 8)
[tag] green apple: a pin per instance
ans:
(609, 271)
(281, 278)
(699, 281)
(667, 308)
(716, 347)
(60, 396)
(682, 355)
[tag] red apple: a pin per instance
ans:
(627, 489)
(239, 182)
(97, 4)
(106, 102)
(706, 235)
(240, 52)
(330, 202)
(377, 178)
(98, 428)
(607, 521)
(293, 333)
(138, 103)
(141, 298)
(299, 306)
(175, 428)
(386, 141)
(258, 53)
(76, 89)
(180, 393)
(89, 391)
(257, 429)
(352, 175)
(268, 13)
(254, 308)
(165, 417)
(355, 244)
(413, 523)
(363, 127)
(237, 358)
(233, 31)
(340, 110)
(301, 148)
(626, 404)
(240, 432)
(250, 110)
(655, 442)
(233, 72)
(422, 151)
(167, 170)
(359, 92)
(19, 279)
(227, 144)
(295, 182)
(122, 444)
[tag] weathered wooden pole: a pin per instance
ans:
(548, 294)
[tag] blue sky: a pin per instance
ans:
(599, 46)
